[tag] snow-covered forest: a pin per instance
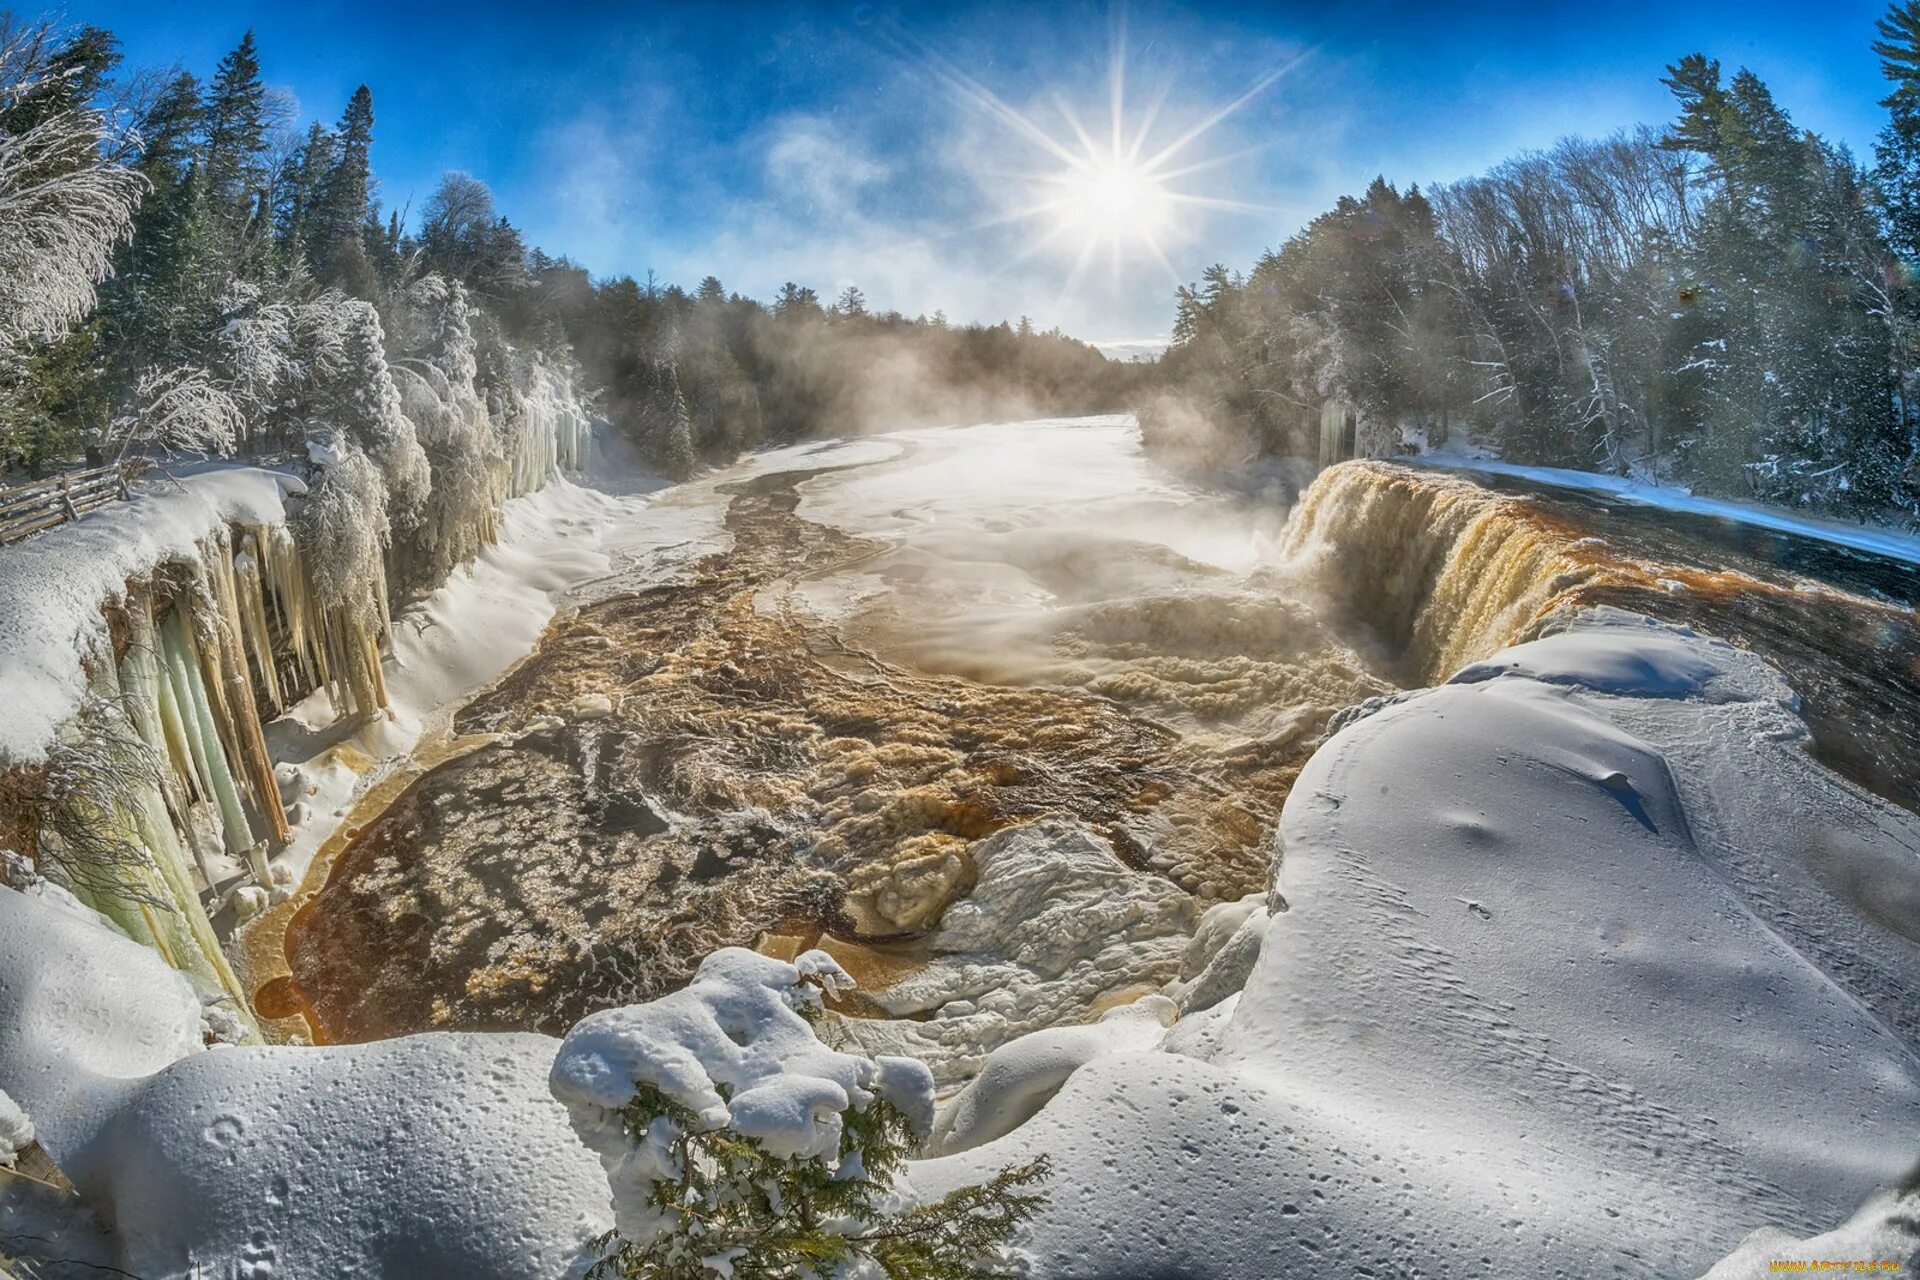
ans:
(1728, 302)
(255, 292)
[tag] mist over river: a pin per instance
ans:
(908, 650)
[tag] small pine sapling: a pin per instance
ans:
(742, 1146)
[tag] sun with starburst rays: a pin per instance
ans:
(1121, 195)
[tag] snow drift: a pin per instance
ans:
(1554, 993)
(435, 1155)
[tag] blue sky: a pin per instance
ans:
(848, 143)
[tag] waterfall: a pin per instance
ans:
(1443, 570)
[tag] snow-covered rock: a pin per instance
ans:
(84, 1011)
(738, 1026)
(436, 1155)
(1885, 1231)
(16, 1130)
(1221, 954)
(1586, 967)
(1056, 928)
(1020, 1077)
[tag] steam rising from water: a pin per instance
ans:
(780, 744)
(1057, 554)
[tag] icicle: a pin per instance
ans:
(183, 664)
(155, 714)
(234, 695)
(187, 765)
(143, 884)
(244, 586)
(291, 578)
(142, 687)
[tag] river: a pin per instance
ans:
(915, 644)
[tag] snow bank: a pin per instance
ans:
(434, 1155)
(1658, 664)
(1882, 542)
(1018, 1078)
(1585, 967)
(53, 585)
(737, 1026)
(1886, 1230)
(83, 1011)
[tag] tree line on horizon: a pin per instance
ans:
(1730, 301)
(219, 235)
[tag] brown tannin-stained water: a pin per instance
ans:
(895, 660)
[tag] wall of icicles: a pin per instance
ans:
(161, 796)
(162, 789)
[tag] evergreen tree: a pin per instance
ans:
(794, 302)
(297, 193)
(665, 430)
(851, 303)
(358, 398)
(1897, 152)
(337, 247)
(236, 124)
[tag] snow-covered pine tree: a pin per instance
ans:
(438, 395)
(737, 1144)
(665, 431)
(359, 400)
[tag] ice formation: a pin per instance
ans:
(1056, 926)
(52, 586)
(144, 645)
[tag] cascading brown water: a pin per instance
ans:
(1445, 571)
(1440, 571)
(703, 763)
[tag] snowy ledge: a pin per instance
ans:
(53, 585)
(1882, 542)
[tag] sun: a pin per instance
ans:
(1113, 199)
(1118, 195)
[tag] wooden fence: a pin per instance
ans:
(27, 509)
